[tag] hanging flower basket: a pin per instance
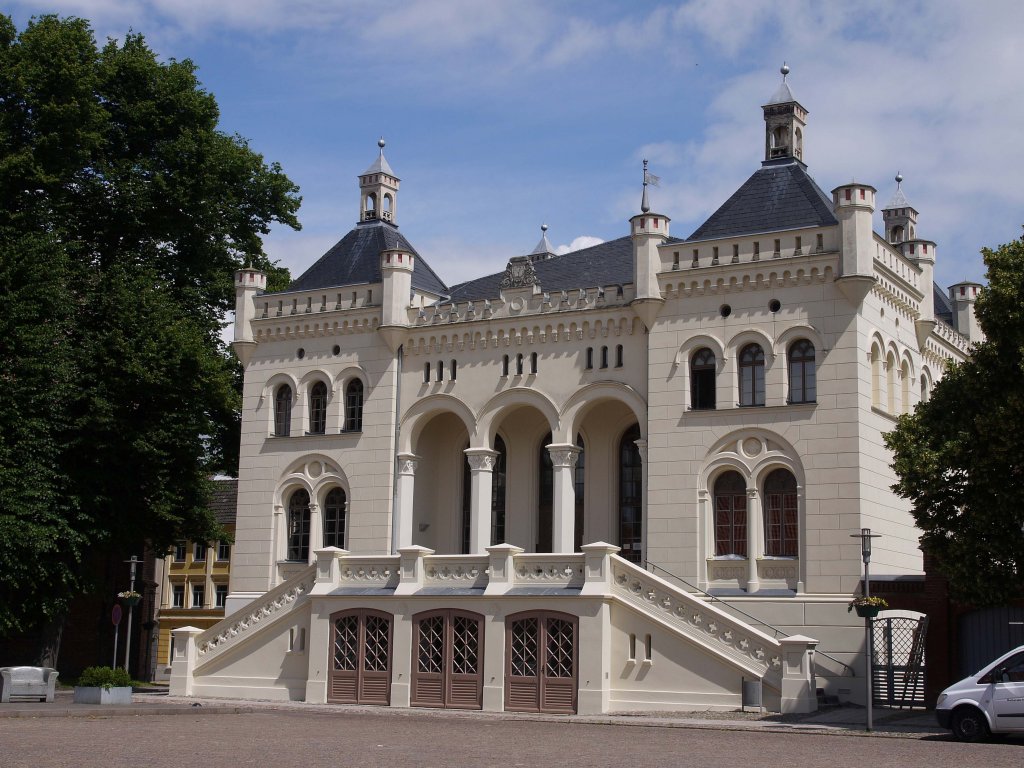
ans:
(129, 598)
(867, 607)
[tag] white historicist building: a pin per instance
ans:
(615, 479)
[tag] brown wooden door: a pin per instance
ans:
(360, 670)
(540, 662)
(447, 664)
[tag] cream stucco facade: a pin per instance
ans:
(713, 406)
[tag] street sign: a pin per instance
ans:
(115, 615)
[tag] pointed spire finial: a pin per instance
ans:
(784, 69)
(543, 227)
(381, 143)
(899, 179)
(644, 205)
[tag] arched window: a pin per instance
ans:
(579, 487)
(730, 515)
(298, 526)
(631, 496)
(499, 479)
(890, 382)
(604, 357)
(924, 388)
(780, 514)
(504, 365)
(318, 408)
(618, 355)
(752, 375)
(545, 496)
(590, 358)
(799, 142)
(702, 380)
(905, 387)
(354, 406)
(802, 372)
(533, 362)
(467, 503)
(426, 373)
(519, 364)
(335, 504)
(452, 370)
(283, 411)
(876, 376)
(440, 370)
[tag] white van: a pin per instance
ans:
(989, 701)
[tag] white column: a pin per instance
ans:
(279, 548)
(753, 529)
(481, 466)
(801, 527)
(316, 531)
(407, 463)
(706, 524)
(563, 459)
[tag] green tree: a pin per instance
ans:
(124, 212)
(960, 456)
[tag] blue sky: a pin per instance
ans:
(503, 114)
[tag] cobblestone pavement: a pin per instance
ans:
(341, 737)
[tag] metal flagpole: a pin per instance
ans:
(131, 607)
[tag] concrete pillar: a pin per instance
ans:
(563, 459)
(641, 447)
(316, 531)
(753, 538)
(501, 568)
(411, 569)
(597, 568)
(799, 687)
(319, 653)
(481, 466)
(184, 662)
(407, 463)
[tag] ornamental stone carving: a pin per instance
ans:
(519, 273)
(481, 461)
(563, 458)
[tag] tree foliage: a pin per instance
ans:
(960, 455)
(124, 212)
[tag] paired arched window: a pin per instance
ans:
(335, 508)
(631, 496)
(780, 514)
(730, 515)
(354, 406)
(752, 375)
(702, 380)
(283, 411)
(298, 526)
(802, 372)
(318, 408)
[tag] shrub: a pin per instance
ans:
(104, 677)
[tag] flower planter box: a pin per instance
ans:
(867, 611)
(97, 695)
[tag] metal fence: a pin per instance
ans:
(897, 665)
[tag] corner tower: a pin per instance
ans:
(648, 231)
(784, 123)
(378, 191)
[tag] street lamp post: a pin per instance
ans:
(131, 607)
(865, 537)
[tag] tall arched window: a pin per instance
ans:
(318, 408)
(545, 496)
(890, 382)
(752, 375)
(499, 479)
(579, 488)
(730, 515)
(924, 388)
(876, 376)
(780, 514)
(905, 387)
(298, 526)
(702, 380)
(354, 406)
(467, 504)
(803, 386)
(631, 496)
(283, 411)
(335, 505)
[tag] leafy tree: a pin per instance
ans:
(960, 455)
(124, 212)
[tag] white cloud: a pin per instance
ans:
(578, 244)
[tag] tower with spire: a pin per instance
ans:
(784, 123)
(899, 216)
(378, 188)
(648, 230)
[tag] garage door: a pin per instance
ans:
(540, 662)
(447, 660)
(360, 670)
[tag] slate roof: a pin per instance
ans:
(780, 195)
(782, 95)
(609, 263)
(355, 260)
(224, 501)
(899, 200)
(943, 309)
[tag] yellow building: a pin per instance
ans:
(193, 579)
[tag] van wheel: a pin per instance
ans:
(969, 724)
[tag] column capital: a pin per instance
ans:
(407, 463)
(641, 446)
(481, 459)
(563, 455)
(751, 493)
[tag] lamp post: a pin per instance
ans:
(131, 607)
(865, 537)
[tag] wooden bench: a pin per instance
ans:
(17, 683)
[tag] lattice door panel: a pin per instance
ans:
(541, 666)
(360, 669)
(447, 669)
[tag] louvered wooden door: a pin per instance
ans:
(447, 664)
(360, 670)
(540, 662)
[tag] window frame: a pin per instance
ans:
(223, 551)
(336, 521)
(297, 527)
(200, 590)
(220, 595)
(355, 399)
(751, 360)
(703, 376)
(803, 372)
(317, 401)
(177, 595)
(283, 402)
(733, 519)
(199, 550)
(781, 514)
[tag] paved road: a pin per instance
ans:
(396, 740)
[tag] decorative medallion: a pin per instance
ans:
(519, 273)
